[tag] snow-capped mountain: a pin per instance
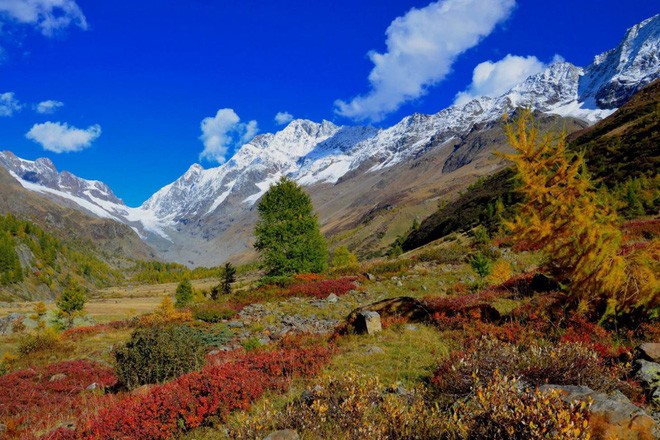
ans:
(203, 204)
(92, 196)
(617, 74)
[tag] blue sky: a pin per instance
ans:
(138, 78)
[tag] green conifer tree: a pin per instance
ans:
(288, 235)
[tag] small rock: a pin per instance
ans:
(285, 434)
(411, 327)
(57, 377)
(213, 353)
(332, 298)
(425, 288)
(375, 350)
(399, 284)
(317, 304)
(650, 351)
(371, 277)
(368, 322)
(92, 386)
(236, 324)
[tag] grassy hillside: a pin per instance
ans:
(34, 263)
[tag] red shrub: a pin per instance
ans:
(231, 383)
(321, 289)
(31, 401)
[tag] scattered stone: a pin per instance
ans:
(236, 324)
(411, 327)
(399, 284)
(624, 420)
(648, 373)
(285, 434)
(7, 323)
(371, 277)
(57, 377)
(213, 353)
(92, 386)
(368, 322)
(264, 340)
(650, 351)
(375, 350)
(332, 298)
(424, 288)
(317, 303)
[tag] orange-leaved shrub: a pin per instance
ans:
(504, 409)
(576, 226)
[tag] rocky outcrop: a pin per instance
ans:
(612, 415)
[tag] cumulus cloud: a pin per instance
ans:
(61, 138)
(282, 118)
(223, 131)
(9, 104)
(49, 16)
(48, 107)
(422, 45)
(496, 78)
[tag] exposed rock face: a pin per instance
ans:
(648, 373)
(618, 417)
(650, 351)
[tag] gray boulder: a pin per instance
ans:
(284, 434)
(621, 419)
(368, 322)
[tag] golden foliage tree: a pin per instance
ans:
(575, 226)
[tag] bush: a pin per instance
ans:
(38, 341)
(349, 406)
(157, 354)
(560, 364)
(452, 254)
(164, 411)
(321, 289)
(213, 313)
(503, 410)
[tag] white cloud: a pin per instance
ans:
(48, 107)
(61, 138)
(9, 104)
(282, 118)
(422, 45)
(49, 16)
(496, 78)
(223, 131)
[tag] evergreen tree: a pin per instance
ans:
(342, 257)
(288, 235)
(228, 278)
(10, 265)
(183, 294)
(481, 265)
(70, 303)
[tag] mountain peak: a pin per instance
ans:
(615, 75)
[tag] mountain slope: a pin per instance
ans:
(623, 146)
(100, 239)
